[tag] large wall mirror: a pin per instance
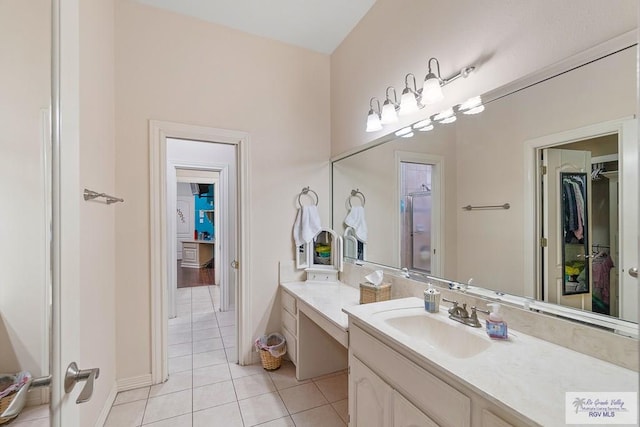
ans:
(25, 194)
(491, 197)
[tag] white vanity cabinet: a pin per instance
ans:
(386, 388)
(290, 324)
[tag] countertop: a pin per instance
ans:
(524, 373)
(328, 299)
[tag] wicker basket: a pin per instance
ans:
(4, 404)
(370, 293)
(269, 361)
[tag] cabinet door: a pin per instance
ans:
(407, 415)
(369, 397)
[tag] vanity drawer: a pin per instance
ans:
(292, 346)
(289, 303)
(289, 322)
(438, 400)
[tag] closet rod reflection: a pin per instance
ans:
(470, 208)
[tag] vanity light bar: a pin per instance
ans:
(413, 99)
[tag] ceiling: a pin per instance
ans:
(319, 25)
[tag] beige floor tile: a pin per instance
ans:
(177, 350)
(213, 395)
(34, 413)
(342, 408)
(167, 406)
(205, 317)
(181, 337)
(177, 382)
(253, 385)
(203, 334)
(226, 318)
(334, 388)
(260, 409)
(208, 358)
(229, 341)
(204, 324)
(179, 364)
(219, 416)
(181, 421)
(232, 357)
(210, 375)
(207, 345)
(302, 397)
(126, 415)
(280, 422)
(238, 371)
(131, 395)
(180, 319)
(324, 416)
(227, 331)
(285, 377)
(38, 422)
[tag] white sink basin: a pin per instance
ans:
(437, 331)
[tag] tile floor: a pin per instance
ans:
(207, 388)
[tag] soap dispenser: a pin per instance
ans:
(496, 326)
(431, 299)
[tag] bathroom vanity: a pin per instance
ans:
(315, 327)
(410, 367)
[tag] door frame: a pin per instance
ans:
(159, 131)
(437, 209)
(532, 187)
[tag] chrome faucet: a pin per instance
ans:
(460, 314)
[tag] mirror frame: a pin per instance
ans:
(623, 327)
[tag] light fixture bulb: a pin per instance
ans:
(389, 113)
(373, 121)
(404, 131)
(431, 90)
(426, 128)
(446, 116)
(408, 102)
(474, 110)
(471, 103)
(421, 124)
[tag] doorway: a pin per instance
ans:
(586, 200)
(176, 147)
(420, 195)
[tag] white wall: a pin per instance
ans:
(506, 40)
(180, 69)
(24, 212)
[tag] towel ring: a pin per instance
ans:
(357, 193)
(306, 191)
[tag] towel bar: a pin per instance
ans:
(90, 195)
(470, 208)
(306, 191)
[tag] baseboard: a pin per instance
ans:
(38, 396)
(102, 418)
(131, 383)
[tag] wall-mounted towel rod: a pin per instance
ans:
(357, 193)
(90, 195)
(306, 191)
(470, 208)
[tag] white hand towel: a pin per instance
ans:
(355, 219)
(307, 224)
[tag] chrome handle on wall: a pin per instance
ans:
(75, 375)
(633, 272)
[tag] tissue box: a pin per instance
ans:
(371, 293)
